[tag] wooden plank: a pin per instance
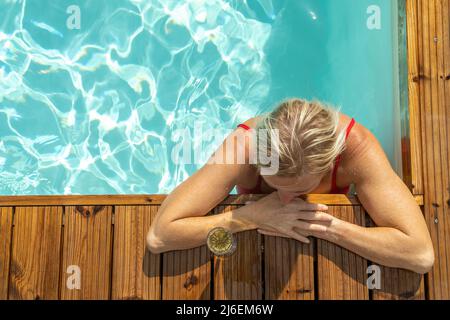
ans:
(425, 105)
(87, 245)
(136, 271)
(187, 274)
(434, 113)
(414, 74)
(86, 200)
(446, 78)
(238, 277)
(289, 269)
(6, 219)
(341, 273)
(66, 200)
(441, 137)
(35, 257)
(445, 72)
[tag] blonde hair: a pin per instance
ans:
(309, 140)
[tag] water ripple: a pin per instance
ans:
(93, 110)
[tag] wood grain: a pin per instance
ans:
(414, 75)
(434, 47)
(289, 269)
(187, 275)
(6, 219)
(341, 273)
(239, 276)
(88, 245)
(86, 200)
(35, 257)
(136, 271)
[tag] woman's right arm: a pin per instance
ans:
(181, 222)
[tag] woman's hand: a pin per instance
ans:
(297, 219)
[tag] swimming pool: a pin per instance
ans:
(96, 95)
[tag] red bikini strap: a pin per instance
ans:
(244, 126)
(350, 126)
(338, 158)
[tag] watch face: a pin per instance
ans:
(221, 241)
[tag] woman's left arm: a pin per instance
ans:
(401, 238)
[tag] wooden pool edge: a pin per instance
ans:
(47, 237)
(155, 199)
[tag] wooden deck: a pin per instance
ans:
(42, 237)
(428, 24)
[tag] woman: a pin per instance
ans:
(320, 151)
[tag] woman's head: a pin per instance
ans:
(307, 145)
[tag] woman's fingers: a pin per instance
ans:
(299, 204)
(297, 236)
(309, 227)
(314, 207)
(314, 216)
(271, 233)
(310, 216)
(287, 234)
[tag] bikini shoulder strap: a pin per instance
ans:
(244, 126)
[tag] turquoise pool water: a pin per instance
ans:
(93, 94)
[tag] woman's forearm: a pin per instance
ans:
(386, 246)
(191, 232)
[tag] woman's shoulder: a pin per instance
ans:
(362, 148)
(359, 143)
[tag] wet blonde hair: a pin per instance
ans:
(309, 140)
